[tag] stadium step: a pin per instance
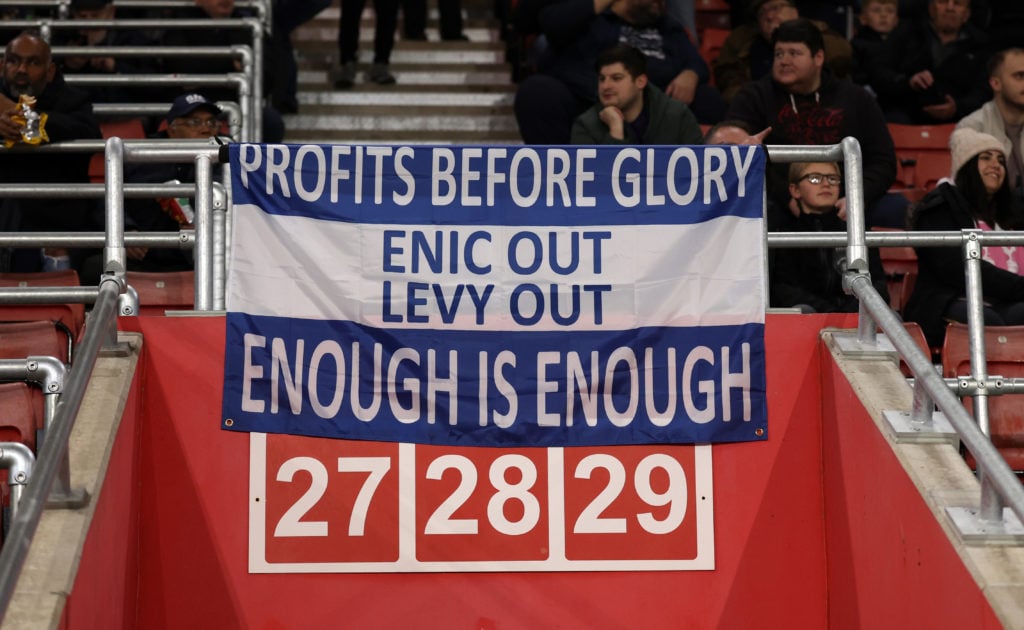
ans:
(446, 91)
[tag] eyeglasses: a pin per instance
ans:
(817, 178)
(196, 123)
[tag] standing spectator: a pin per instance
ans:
(746, 54)
(811, 279)
(979, 197)
(289, 15)
(105, 10)
(1003, 116)
(65, 114)
(273, 124)
(631, 110)
(805, 104)
(414, 20)
(577, 31)
(940, 67)
(386, 14)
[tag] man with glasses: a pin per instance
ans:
(804, 103)
(811, 279)
(191, 117)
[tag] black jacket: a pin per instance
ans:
(838, 109)
(814, 276)
(940, 278)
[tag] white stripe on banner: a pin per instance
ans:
(623, 277)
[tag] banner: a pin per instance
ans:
(497, 296)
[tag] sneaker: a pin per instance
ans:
(379, 74)
(344, 76)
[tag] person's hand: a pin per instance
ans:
(943, 111)
(684, 87)
(922, 81)
(616, 122)
(794, 207)
(136, 253)
(758, 138)
(841, 208)
(10, 129)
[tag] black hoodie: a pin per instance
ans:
(838, 109)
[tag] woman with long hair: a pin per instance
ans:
(979, 197)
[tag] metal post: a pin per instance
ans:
(204, 234)
(114, 258)
(220, 211)
(18, 460)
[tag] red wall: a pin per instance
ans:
(769, 531)
(890, 565)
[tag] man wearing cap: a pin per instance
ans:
(746, 54)
(192, 116)
(64, 113)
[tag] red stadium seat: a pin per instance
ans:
(1004, 356)
(163, 291)
(921, 137)
(21, 413)
(711, 40)
(711, 14)
(931, 167)
(898, 263)
(922, 157)
(41, 338)
(71, 315)
(127, 128)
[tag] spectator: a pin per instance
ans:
(191, 116)
(414, 20)
(65, 114)
(734, 132)
(631, 110)
(289, 15)
(386, 13)
(811, 279)
(273, 124)
(746, 55)
(978, 197)
(577, 31)
(1003, 116)
(939, 67)
(878, 20)
(105, 10)
(805, 104)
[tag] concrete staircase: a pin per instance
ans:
(446, 93)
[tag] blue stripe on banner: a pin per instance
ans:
(342, 380)
(515, 186)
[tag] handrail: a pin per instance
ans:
(998, 482)
(254, 25)
(260, 6)
(102, 320)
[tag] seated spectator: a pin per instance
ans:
(547, 103)
(1003, 116)
(273, 124)
(734, 132)
(978, 197)
(64, 113)
(105, 10)
(804, 103)
(878, 20)
(747, 53)
(935, 70)
(191, 116)
(811, 279)
(631, 110)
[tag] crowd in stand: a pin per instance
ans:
(811, 72)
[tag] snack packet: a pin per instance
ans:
(33, 124)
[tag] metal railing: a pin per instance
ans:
(252, 24)
(999, 485)
(232, 110)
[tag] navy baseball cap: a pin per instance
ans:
(188, 103)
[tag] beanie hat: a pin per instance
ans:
(965, 143)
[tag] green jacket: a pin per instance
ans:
(671, 122)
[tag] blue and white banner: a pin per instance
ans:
(497, 296)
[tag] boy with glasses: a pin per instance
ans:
(812, 279)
